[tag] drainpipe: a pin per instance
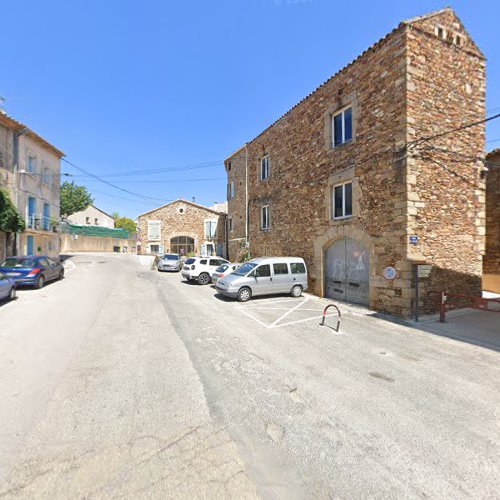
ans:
(247, 220)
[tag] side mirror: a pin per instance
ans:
(252, 274)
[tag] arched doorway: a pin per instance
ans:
(347, 271)
(182, 245)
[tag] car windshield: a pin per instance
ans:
(222, 268)
(171, 257)
(245, 268)
(18, 263)
(190, 261)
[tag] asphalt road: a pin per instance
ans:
(121, 382)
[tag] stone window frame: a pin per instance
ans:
(440, 32)
(261, 218)
(45, 174)
(212, 221)
(261, 169)
(347, 101)
(156, 221)
(344, 216)
(341, 177)
(230, 226)
(231, 190)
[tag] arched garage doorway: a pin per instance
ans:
(347, 271)
(182, 245)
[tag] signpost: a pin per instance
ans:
(421, 271)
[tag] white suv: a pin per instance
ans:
(201, 268)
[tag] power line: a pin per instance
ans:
(147, 198)
(441, 134)
(169, 181)
(211, 164)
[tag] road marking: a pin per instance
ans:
(250, 316)
(289, 312)
(303, 320)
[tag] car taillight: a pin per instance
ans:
(34, 271)
(221, 276)
(192, 267)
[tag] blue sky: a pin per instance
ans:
(123, 85)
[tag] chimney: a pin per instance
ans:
(194, 199)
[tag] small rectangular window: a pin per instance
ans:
(264, 217)
(342, 200)
(96, 221)
(280, 268)
(230, 190)
(46, 175)
(297, 268)
(264, 168)
(210, 228)
(31, 166)
(87, 220)
(342, 127)
(229, 224)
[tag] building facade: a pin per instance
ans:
(92, 216)
(31, 173)
(365, 179)
(182, 227)
(491, 262)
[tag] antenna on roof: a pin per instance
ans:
(194, 199)
(2, 103)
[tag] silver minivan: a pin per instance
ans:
(265, 276)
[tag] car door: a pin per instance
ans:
(263, 280)
(281, 278)
(44, 265)
(54, 268)
(4, 287)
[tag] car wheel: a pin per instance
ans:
(244, 294)
(296, 291)
(203, 279)
(61, 274)
(40, 281)
(12, 294)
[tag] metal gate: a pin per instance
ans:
(347, 273)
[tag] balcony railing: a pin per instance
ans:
(41, 223)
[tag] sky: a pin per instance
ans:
(174, 87)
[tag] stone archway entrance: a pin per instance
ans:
(347, 271)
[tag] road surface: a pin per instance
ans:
(122, 382)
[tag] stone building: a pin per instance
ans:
(30, 169)
(92, 216)
(368, 176)
(182, 227)
(491, 262)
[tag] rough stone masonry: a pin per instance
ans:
(417, 188)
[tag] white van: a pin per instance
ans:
(265, 276)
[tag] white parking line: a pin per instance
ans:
(289, 312)
(250, 316)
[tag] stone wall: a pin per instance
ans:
(81, 243)
(398, 91)
(236, 168)
(181, 218)
(491, 263)
(445, 90)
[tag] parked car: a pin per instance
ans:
(32, 270)
(169, 262)
(224, 270)
(265, 276)
(7, 288)
(201, 268)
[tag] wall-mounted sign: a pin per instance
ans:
(413, 239)
(424, 271)
(389, 273)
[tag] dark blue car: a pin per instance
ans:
(32, 270)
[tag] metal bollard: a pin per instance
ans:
(442, 308)
(324, 317)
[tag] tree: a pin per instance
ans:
(124, 223)
(11, 220)
(74, 198)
